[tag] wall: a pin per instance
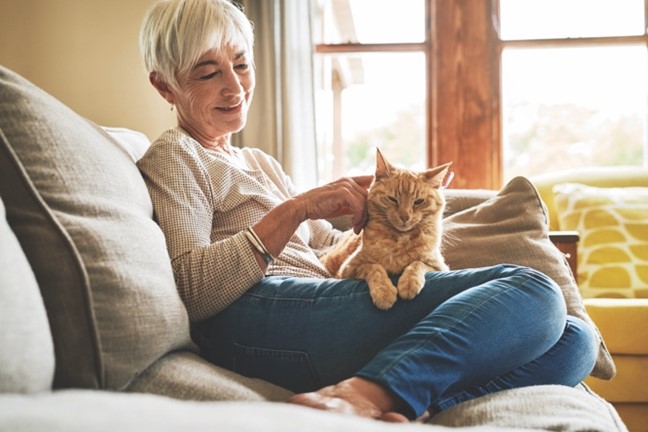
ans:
(85, 53)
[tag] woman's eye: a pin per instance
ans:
(243, 66)
(393, 199)
(209, 76)
(419, 201)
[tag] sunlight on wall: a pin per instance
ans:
(86, 54)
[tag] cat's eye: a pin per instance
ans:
(393, 199)
(419, 201)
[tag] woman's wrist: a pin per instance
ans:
(259, 246)
(276, 228)
(297, 209)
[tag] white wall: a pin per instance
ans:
(85, 53)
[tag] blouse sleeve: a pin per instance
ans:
(210, 276)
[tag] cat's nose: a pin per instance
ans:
(404, 217)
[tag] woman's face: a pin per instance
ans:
(212, 99)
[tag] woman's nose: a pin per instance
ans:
(232, 83)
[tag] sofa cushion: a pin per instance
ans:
(599, 176)
(135, 143)
(546, 407)
(623, 323)
(537, 408)
(629, 384)
(512, 227)
(83, 216)
(613, 227)
(26, 353)
(185, 375)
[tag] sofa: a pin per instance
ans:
(95, 337)
(607, 207)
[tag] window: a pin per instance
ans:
(499, 88)
(574, 84)
(370, 78)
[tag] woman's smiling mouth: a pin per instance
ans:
(231, 108)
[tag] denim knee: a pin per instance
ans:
(544, 290)
(585, 345)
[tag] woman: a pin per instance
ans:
(243, 245)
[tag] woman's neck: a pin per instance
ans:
(219, 144)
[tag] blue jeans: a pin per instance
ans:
(468, 333)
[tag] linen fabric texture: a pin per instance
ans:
(82, 213)
(557, 408)
(27, 354)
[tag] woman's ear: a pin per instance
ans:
(162, 87)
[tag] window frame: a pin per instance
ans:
(463, 51)
(424, 47)
(567, 42)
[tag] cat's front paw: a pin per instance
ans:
(435, 264)
(440, 266)
(409, 285)
(383, 294)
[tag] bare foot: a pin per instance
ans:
(394, 417)
(355, 396)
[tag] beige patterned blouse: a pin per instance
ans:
(203, 200)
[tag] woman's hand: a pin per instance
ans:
(346, 196)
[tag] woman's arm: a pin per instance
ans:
(209, 275)
(347, 196)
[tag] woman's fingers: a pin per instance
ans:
(358, 183)
(363, 181)
(359, 218)
(347, 196)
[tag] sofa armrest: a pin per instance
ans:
(567, 242)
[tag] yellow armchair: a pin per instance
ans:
(623, 321)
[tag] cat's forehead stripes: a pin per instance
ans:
(406, 184)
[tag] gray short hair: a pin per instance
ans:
(175, 33)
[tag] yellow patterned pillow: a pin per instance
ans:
(613, 228)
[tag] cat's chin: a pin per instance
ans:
(403, 229)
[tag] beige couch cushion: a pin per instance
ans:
(546, 407)
(511, 227)
(26, 350)
(537, 408)
(83, 215)
(185, 375)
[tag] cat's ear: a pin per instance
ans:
(382, 166)
(436, 175)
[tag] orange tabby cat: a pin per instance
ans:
(402, 235)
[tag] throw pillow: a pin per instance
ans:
(512, 227)
(27, 354)
(135, 143)
(81, 211)
(613, 227)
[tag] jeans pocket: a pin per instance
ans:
(289, 369)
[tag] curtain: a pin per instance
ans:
(281, 120)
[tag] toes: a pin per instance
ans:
(394, 417)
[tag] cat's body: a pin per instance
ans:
(402, 235)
